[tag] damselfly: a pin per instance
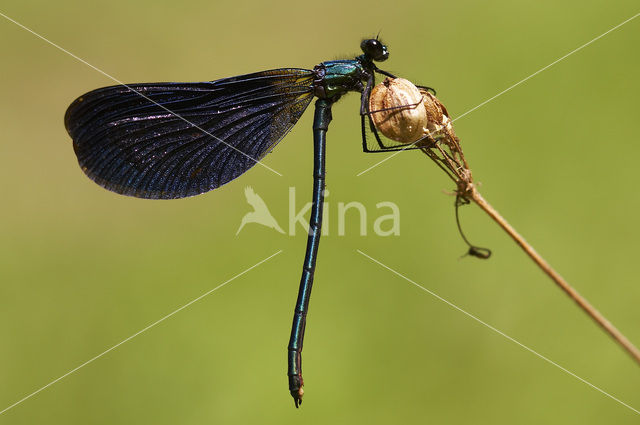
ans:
(173, 140)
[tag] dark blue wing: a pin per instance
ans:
(172, 140)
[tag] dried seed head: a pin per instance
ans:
(397, 110)
(437, 115)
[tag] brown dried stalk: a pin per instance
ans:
(443, 147)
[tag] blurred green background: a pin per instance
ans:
(83, 268)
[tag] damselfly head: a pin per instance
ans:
(374, 49)
(398, 111)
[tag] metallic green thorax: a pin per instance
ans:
(335, 78)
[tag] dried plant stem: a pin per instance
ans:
(440, 143)
(475, 196)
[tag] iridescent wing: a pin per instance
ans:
(172, 140)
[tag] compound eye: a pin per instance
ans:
(374, 49)
(369, 46)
